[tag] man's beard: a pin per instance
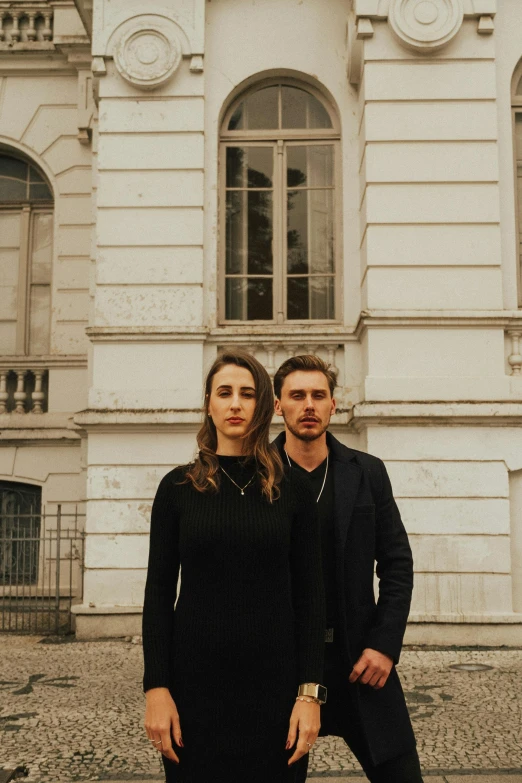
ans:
(305, 436)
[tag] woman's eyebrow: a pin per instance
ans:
(242, 388)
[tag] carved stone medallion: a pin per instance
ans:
(425, 25)
(148, 51)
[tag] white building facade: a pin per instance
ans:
(289, 176)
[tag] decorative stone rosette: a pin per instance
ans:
(148, 51)
(425, 25)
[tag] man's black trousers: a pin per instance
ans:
(404, 768)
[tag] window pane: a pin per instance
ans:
(248, 299)
(39, 322)
(311, 165)
(261, 109)
(40, 193)
(42, 248)
(302, 110)
(35, 175)
(250, 167)
(12, 167)
(9, 270)
(249, 232)
(236, 249)
(310, 298)
(310, 231)
(236, 121)
(12, 190)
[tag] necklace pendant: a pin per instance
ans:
(242, 492)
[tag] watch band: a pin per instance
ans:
(313, 690)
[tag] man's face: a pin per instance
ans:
(306, 404)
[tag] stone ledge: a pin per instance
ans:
(501, 413)
(446, 634)
(464, 619)
(102, 609)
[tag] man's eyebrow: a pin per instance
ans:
(303, 391)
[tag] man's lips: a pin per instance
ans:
(309, 420)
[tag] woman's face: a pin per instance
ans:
(231, 405)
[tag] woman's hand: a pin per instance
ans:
(161, 716)
(305, 722)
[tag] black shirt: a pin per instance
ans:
(325, 509)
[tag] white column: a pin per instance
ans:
(147, 329)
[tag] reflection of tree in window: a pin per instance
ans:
(296, 256)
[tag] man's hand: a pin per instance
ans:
(373, 668)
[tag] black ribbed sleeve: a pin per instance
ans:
(161, 586)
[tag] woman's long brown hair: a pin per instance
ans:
(204, 474)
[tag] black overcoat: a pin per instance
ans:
(370, 535)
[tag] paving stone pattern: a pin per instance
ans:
(74, 711)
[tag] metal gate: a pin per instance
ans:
(41, 570)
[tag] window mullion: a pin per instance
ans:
(279, 234)
(23, 281)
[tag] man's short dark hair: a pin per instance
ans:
(306, 363)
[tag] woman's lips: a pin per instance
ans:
(235, 420)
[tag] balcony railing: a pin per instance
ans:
(25, 25)
(273, 351)
(23, 390)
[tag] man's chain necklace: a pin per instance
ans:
(325, 473)
(241, 489)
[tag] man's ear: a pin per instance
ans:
(334, 406)
(277, 407)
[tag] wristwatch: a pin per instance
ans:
(313, 690)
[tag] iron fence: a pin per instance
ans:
(41, 571)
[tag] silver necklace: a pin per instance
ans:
(241, 489)
(325, 473)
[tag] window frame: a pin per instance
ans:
(516, 109)
(280, 140)
(27, 210)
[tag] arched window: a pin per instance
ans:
(26, 232)
(279, 206)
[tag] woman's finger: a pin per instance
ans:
(176, 730)
(166, 746)
(304, 745)
(292, 732)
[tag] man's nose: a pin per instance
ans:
(309, 403)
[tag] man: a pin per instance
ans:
(361, 527)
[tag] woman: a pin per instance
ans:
(223, 668)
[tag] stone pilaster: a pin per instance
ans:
(147, 325)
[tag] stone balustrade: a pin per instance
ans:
(272, 353)
(23, 24)
(515, 357)
(23, 390)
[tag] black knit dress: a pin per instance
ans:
(248, 625)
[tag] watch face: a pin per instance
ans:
(321, 693)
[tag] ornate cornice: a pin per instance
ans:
(422, 26)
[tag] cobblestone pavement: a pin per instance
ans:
(74, 711)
